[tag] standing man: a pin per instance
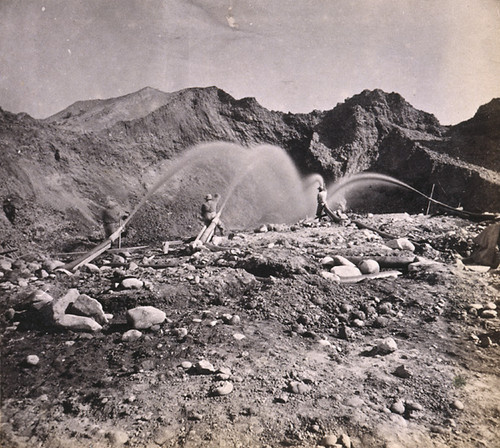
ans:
(209, 212)
(321, 198)
(112, 216)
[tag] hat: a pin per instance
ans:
(208, 197)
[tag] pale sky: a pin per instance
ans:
(442, 56)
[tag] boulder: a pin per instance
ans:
(60, 305)
(143, 317)
(32, 360)
(131, 336)
(346, 271)
(388, 345)
(339, 260)
(40, 299)
(88, 307)
(78, 323)
(327, 262)
(51, 265)
(401, 244)
(330, 276)
(132, 283)
(369, 267)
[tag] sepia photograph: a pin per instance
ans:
(249, 223)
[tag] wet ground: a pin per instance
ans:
(291, 356)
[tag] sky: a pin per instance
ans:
(442, 56)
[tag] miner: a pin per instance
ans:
(112, 217)
(321, 199)
(209, 212)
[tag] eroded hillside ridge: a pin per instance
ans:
(115, 147)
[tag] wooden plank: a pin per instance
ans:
(385, 261)
(360, 278)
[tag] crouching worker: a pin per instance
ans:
(209, 212)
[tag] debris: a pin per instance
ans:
(458, 405)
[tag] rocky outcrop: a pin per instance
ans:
(57, 172)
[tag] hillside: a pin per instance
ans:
(59, 171)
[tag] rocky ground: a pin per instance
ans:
(255, 342)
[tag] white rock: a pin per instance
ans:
(60, 305)
(327, 261)
(239, 336)
(422, 266)
(131, 335)
(32, 360)
(330, 276)
(52, 265)
(398, 407)
(402, 244)
(89, 307)
(92, 268)
(223, 389)
(369, 267)
(40, 299)
(388, 345)
(132, 283)
(339, 260)
(488, 314)
(133, 266)
(117, 437)
(78, 323)
(143, 317)
(204, 367)
(345, 271)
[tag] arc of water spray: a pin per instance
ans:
(390, 180)
(106, 244)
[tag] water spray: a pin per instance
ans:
(375, 177)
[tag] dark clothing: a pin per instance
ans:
(10, 210)
(321, 198)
